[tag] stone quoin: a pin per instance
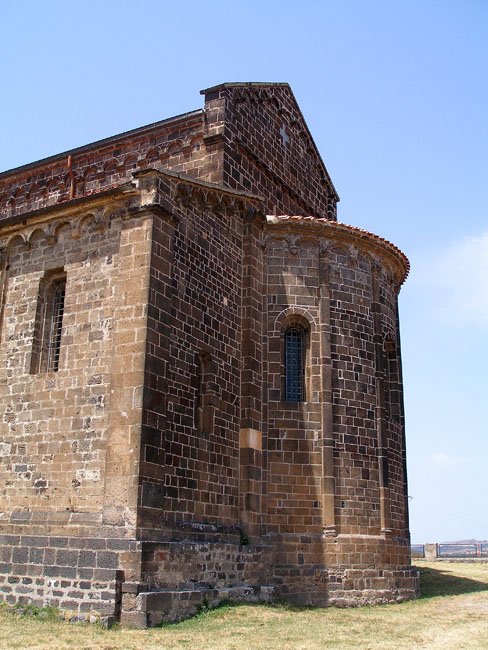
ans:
(201, 387)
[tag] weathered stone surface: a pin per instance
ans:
(156, 466)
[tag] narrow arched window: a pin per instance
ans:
(55, 325)
(46, 345)
(295, 343)
(392, 380)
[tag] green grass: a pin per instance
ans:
(452, 613)
(451, 579)
(31, 611)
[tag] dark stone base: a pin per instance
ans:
(171, 606)
(144, 583)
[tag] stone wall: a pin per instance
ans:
(190, 437)
(160, 465)
(58, 427)
(77, 574)
(69, 461)
(176, 144)
(336, 491)
(268, 150)
(249, 137)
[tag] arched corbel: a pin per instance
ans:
(183, 194)
(353, 256)
(293, 242)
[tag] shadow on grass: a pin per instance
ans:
(441, 582)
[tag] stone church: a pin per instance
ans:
(201, 387)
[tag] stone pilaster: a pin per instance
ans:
(326, 399)
(251, 432)
(380, 406)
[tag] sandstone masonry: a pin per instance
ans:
(201, 374)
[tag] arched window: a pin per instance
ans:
(295, 346)
(46, 346)
(55, 325)
(392, 379)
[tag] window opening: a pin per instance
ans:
(54, 343)
(391, 382)
(46, 344)
(295, 364)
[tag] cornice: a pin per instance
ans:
(321, 227)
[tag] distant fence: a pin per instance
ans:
(446, 551)
(417, 550)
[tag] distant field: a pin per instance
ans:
(452, 613)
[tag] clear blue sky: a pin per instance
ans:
(396, 96)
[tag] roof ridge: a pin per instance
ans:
(244, 84)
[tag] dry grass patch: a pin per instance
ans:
(452, 613)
